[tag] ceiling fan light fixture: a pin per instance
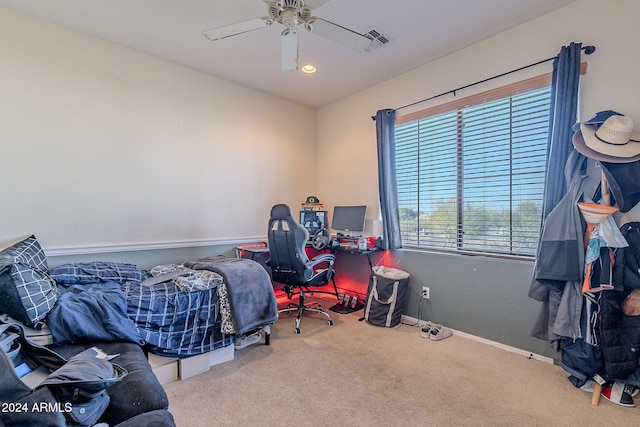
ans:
(309, 69)
(290, 19)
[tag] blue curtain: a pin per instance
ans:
(563, 114)
(387, 183)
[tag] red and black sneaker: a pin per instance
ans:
(618, 393)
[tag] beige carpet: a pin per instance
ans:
(355, 374)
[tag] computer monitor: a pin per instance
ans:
(348, 219)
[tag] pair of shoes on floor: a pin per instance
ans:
(620, 393)
(426, 330)
(247, 340)
(435, 331)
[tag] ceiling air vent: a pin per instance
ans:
(377, 38)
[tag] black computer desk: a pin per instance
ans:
(353, 250)
(260, 250)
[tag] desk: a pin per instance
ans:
(351, 276)
(254, 250)
(366, 252)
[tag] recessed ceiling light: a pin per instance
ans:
(309, 69)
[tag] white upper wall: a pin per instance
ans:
(104, 145)
(346, 133)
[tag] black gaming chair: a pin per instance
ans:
(290, 265)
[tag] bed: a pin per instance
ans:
(179, 310)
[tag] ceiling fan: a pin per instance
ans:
(291, 13)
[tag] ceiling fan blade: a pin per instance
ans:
(314, 4)
(290, 50)
(341, 35)
(234, 29)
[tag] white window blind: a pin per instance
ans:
(471, 178)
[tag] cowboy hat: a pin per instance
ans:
(613, 141)
(578, 143)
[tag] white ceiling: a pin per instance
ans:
(420, 31)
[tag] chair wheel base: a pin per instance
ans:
(300, 308)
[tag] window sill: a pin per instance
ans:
(470, 253)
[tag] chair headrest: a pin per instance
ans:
(281, 211)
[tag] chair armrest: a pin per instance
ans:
(330, 258)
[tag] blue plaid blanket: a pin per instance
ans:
(173, 322)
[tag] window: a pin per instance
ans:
(471, 173)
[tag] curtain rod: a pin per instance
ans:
(587, 50)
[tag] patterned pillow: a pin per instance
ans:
(27, 293)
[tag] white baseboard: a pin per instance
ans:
(527, 354)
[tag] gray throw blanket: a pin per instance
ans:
(251, 297)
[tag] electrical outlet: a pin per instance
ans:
(426, 294)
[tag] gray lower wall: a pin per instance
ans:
(485, 297)
(146, 259)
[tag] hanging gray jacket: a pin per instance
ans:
(559, 266)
